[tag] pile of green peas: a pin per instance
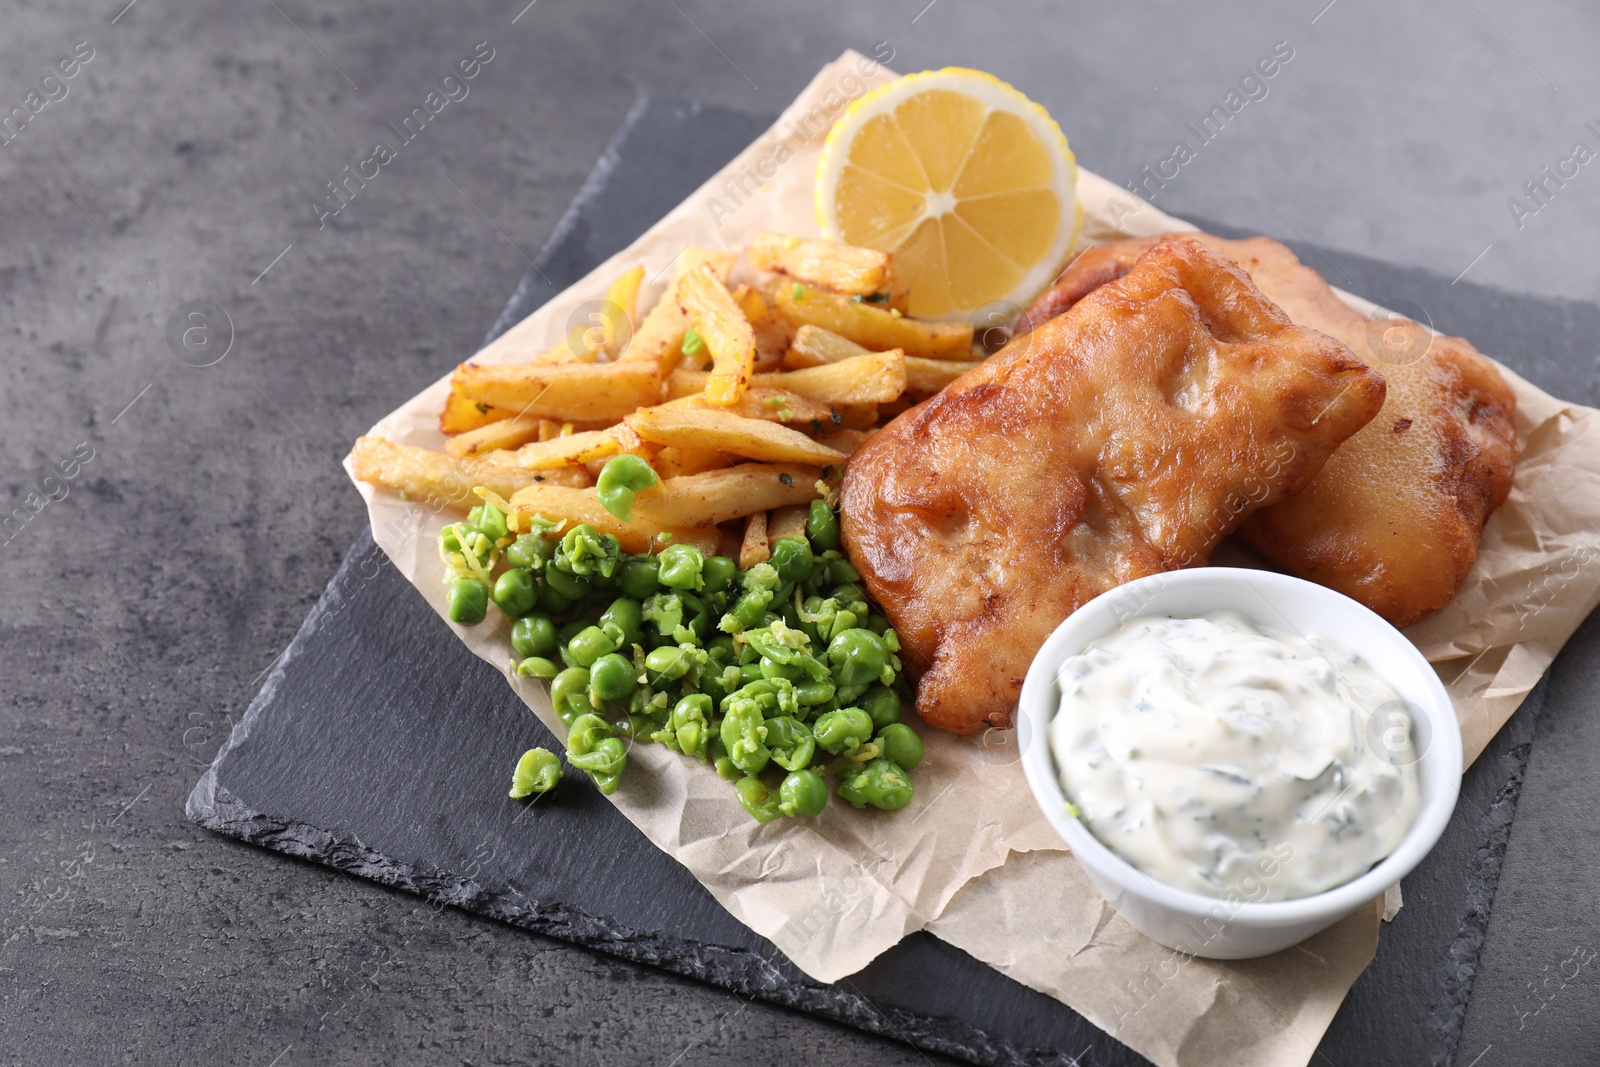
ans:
(782, 676)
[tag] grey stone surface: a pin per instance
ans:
(141, 608)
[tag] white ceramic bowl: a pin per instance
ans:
(1234, 929)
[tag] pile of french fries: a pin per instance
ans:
(746, 396)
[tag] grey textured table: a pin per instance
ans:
(144, 600)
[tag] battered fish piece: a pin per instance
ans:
(1122, 439)
(1395, 516)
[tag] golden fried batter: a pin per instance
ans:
(1394, 518)
(1122, 439)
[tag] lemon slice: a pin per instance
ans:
(969, 183)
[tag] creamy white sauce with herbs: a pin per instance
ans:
(1232, 760)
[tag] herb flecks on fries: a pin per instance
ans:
(653, 504)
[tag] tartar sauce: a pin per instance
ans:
(1229, 759)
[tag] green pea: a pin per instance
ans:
(792, 559)
(515, 592)
(637, 578)
(468, 601)
(747, 611)
(882, 783)
(537, 667)
(899, 742)
(803, 792)
(666, 664)
(718, 573)
(680, 567)
(844, 730)
(791, 742)
(623, 622)
(857, 657)
(530, 550)
(883, 704)
(551, 601)
(842, 573)
(822, 526)
(589, 644)
(489, 520)
(612, 677)
(534, 635)
(569, 694)
(620, 480)
(572, 586)
(757, 799)
(717, 752)
(537, 771)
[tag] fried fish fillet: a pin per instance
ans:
(1122, 439)
(1395, 516)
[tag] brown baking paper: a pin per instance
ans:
(971, 858)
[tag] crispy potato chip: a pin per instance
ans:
(718, 496)
(594, 392)
(787, 522)
(570, 450)
(622, 311)
(813, 346)
(570, 507)
(724, 431)
(840, 267)
(847, 441)
(674, 461)
(433, 476)
(778, 405)
(461, 413)
(728, 336)
(660, 336)
(874, 327)
(754, 549)
(496, 436)
(868, 379)
(925, 376)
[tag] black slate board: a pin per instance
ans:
(354, 757)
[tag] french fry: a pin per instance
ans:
(622, 301)
(873, 378)
(860, 416)
(787, 522)
(571, 450)
(589, 392)
(462, 413)
(932, 375)
(496, 436)
(675, 461)
(873, 327)
(576, 477)
(720, 496)
(660, 336)
(433, 476)
(813, 346)
(728, 336)
(754, 549)
(866, 379)
(570, 506)
(779, 405)
(840, 267)
(847, 441)
(724, 431)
